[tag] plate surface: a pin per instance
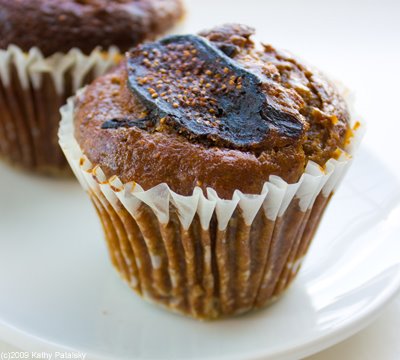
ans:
(60, 291)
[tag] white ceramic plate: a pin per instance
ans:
(59, 291)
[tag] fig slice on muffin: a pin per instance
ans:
(207, 96)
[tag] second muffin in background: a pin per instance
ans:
(210, 161)
(49, 49)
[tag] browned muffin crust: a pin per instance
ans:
(60, 25)
(165, 155)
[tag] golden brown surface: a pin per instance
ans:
(150, 158)
(60, 25)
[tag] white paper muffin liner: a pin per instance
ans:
(202, 255)
(32, 89)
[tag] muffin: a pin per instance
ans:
(210, 160)
(51, 48)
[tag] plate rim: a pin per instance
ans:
(21, 339)
(304, 347)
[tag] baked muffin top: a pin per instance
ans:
(216, 110)
(60, 25)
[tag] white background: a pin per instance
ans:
(359, 43)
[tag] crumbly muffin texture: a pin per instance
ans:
(216, 110)
(60, 25)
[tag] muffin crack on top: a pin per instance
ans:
(216, 110)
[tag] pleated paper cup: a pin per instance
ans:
(32, 90)
(201, 255)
